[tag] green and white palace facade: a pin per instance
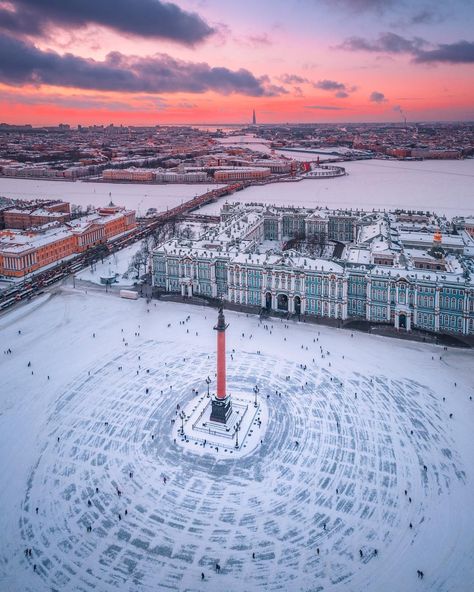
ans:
(408, 270)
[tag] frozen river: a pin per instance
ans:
(139, 197)
(446, 187)
(92, 415)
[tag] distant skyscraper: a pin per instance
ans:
(254, 119)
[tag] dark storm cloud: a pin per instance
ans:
(23, 63)
(145, 18)
(377, 97)
(330, 85)
(460, 52)
(20, 21)
(341, 89)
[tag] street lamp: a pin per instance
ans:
(208, 382)
(237, 428)
(255, 390)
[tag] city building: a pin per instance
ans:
(135, 175)
(369, 275)
(26, 251)
(241, 174)
(21, 219)
(181, 177)
(131, 174)
(36, 213)
(469, 226)
(275, 166)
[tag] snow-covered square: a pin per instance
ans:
(357, 474)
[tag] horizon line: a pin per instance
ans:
(247, 124)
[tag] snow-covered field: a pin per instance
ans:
(446, 187)
(368, 413)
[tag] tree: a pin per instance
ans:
(76, 211)
(187, 232)
(138, 261)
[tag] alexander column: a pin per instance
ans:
(221, 403)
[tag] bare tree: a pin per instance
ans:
(137, 262)
(187, 232)
(76, 211)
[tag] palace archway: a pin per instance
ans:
(402, 321)
(282, 302)
(268, 300)
(297, 305)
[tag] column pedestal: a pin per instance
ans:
(221, 409)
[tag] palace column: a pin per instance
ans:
(221, 381)
(221, 403)
(303, 304)
(291, 304)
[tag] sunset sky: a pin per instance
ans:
(213, 61)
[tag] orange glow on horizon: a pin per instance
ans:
(49, 106)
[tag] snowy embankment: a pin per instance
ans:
(325, 502)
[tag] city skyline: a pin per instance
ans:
(194, 61)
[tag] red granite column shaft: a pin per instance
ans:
(221, 386)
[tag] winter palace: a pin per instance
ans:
(407, 269)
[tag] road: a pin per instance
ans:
(35, 284)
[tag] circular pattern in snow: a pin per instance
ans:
(324, 490)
